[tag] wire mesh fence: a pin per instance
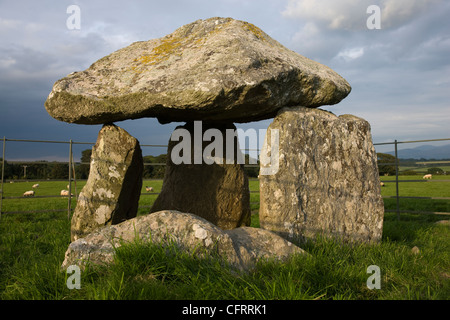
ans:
(397, 181)
(66, 175)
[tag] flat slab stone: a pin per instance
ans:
(327, 182)
(242, 248)
(219, 69)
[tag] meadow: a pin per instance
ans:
(32, 247)
(438, 187)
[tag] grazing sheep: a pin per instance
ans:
(382, 184)
(65, 193)
(29, 193)
(148, 189)
(35, 185)
(428, 176)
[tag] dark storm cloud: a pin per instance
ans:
(399, 74)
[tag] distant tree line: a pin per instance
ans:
(41, 170)
(54, 170)
(386, 165)
(154, 171)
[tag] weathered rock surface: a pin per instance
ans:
(112, 191)
(241, 247)
(216, 192)
(443, 222)
(327, 182)
(219, 69)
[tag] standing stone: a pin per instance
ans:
(216, 192)
(327, 182)
(112, 191)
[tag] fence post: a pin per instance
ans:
(69, 203)
(396, 182)
(74, 178)
(3, 175)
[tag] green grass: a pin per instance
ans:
(32, 248)
(53, 188)
(421, 170)
(439, 186)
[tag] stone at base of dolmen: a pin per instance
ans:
(327, 182)
(241, 248)
(112, 191)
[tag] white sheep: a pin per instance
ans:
(29, 193)
(35, 186)
(148, 189)
(65, 193)
(427, 176)
(382, 184)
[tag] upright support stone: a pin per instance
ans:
(217, 192)
(112, 191)
(327, 182)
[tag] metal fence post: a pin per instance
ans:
(69, 203)
(3, 175)
(396, 182)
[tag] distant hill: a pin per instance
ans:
(424, 152)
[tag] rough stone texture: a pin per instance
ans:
(219, 69)
(443, 222)
(112, 191)
(216, 192)
(327, 182)
(241, 247)
(254, 244)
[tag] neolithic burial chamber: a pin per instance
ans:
(222, 71)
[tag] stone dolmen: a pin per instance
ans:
(219, 72)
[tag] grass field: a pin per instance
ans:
(32, 248)
(438, 187)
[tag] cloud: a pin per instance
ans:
(335, 32)
(345, 14)
(399, 74)
(351, 54)
(8, 24)
(352, 15)
(395, 13)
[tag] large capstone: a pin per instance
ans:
(219, 69)
(327, 180)
(112, 191)
(202, 180)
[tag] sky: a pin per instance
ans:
(399, 73)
